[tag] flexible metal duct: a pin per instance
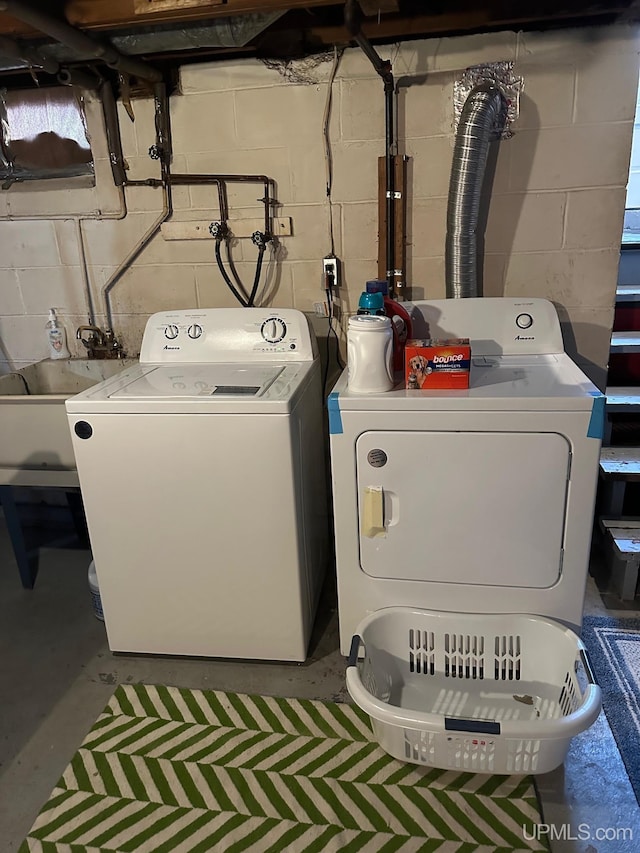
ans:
(482, 112)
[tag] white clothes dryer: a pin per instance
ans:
(477, 500)
(203, 479)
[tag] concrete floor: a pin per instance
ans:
(57, 674)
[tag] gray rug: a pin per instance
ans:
(614, 652)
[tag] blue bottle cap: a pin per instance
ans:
(371, 302)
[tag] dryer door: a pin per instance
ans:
(463, 507)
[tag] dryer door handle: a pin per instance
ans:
(372, 516)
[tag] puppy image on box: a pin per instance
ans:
(419, 365)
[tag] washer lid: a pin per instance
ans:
(202, 380)
(197, 388)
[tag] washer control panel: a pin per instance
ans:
(228, 334)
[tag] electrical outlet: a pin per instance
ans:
(331, 270)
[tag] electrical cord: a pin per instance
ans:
(328, 158)
(331, 331)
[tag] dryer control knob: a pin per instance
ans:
(524, 321)
(171, 332)
(194, 331)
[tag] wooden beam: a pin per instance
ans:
(240, 228)
(460, 22)
(373, 8)
(109, 14)
(382, 219)
(150, 7)
(459, 16)
(399, 216)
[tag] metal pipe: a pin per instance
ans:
(162, 124)
(28, 55)
(353, 21)
(268, 200)
(163, 145)
(208, 179)
(85, 272)
(482, 112)
(75, 39)
(72, 77)
(112, 128)
(167, 210)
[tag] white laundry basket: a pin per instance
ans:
(485, 693)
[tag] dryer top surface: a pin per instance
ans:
(546, 382)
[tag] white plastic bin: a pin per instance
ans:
(485, 693)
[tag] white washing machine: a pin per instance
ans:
(203, 480)
(476, 500)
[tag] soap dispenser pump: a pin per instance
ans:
(56, 337)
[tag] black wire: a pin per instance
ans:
(228, 281)
(330, 331)
(234, 271)
(256, 278)
(338, 356)
(325, 375)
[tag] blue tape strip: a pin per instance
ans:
(596, 421)
(335, 418)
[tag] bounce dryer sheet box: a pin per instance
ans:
(437, 364)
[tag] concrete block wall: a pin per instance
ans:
(555, 215)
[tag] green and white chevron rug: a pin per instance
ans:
(165, 770)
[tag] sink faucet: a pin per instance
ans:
(95, 339)
(99, 344)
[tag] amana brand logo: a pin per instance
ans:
(524, 338)
(445, 359)
(166, 346)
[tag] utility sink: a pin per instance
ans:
(36, 445)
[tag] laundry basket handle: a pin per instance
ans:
(356, 642)
(587, 666)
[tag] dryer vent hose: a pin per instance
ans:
(483, 112)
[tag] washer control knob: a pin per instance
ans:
(273, 330)
(194, 331)
(171, 331)
(524, 321)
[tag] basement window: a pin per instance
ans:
(44, 136)
(631, 229)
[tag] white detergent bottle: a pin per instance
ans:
(57, 337)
